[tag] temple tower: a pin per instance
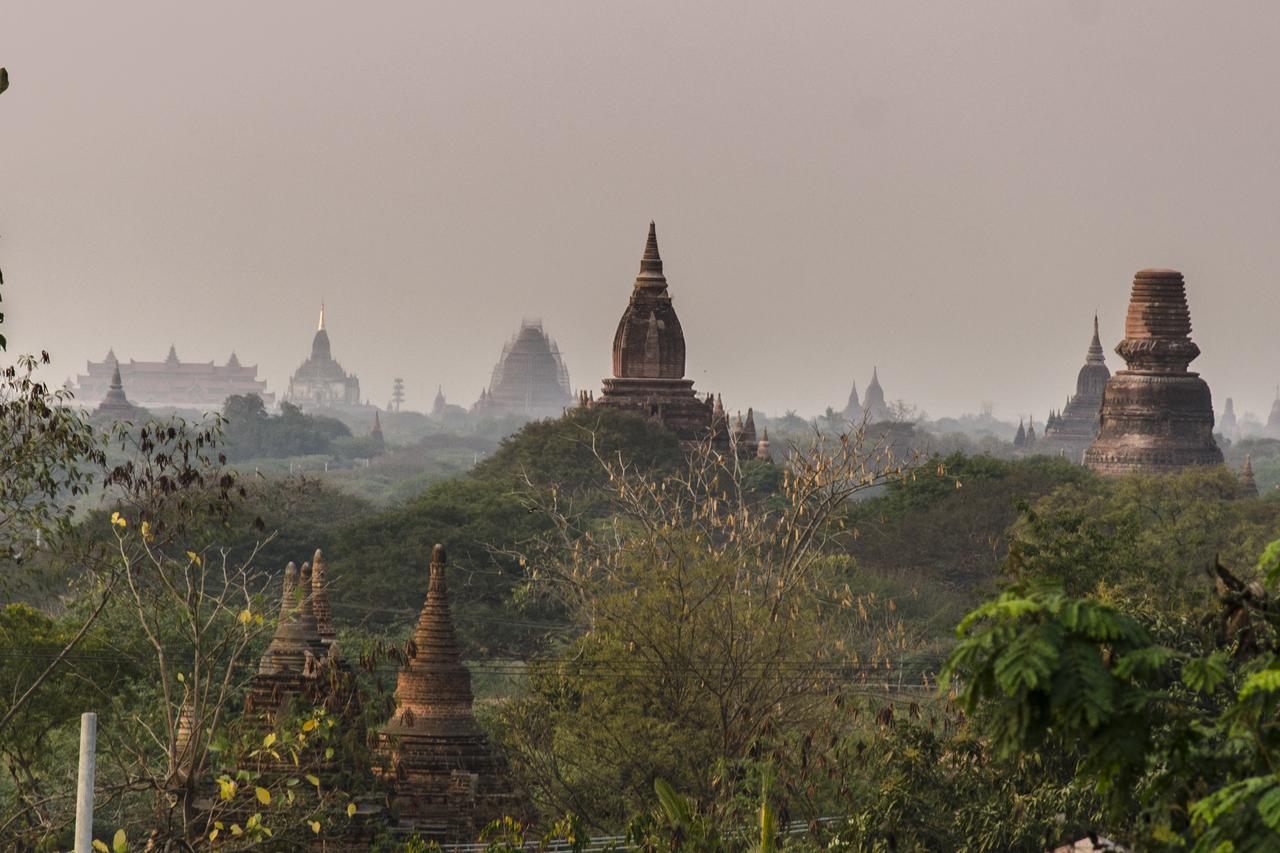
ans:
(873, 403)
(1071, 431)
(447, 780)
(1156, 416)
(320, 600)
(649, 364)
(1273, 420)
(853, 409)
(115, 404)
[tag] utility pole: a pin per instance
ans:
(84, 782)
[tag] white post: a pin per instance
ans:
(84, 790)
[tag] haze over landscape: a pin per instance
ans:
(947, 191)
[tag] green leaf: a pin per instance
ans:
(101, 846)
(1269, 562)
(1203, 675)
(119, 843)
(676, 807)
(1266, 681)
(263, 795)
(1269, 808)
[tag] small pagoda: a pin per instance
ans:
(114, 403)
(1073, 429)
(1156, 416)
(447, 781)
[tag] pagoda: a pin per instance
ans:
(853, 409)
(530, 378)
(873, 404)
(446, 779)
(1227, 423)
(1156, 416)
(1273, 420)
(1248, 484)
(115, 404)
(291, 665)
(320, 382)
(649, 366)
(1073, 429)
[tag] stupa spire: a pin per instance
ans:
(651, 262)
(1248, 485)
(320, 325)
(320, 599)
(1095, 356)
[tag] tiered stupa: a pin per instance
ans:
(649, 364)
(1071, 431)
(447, 781)
(115, 404)
(320, 607)
(1156, 415)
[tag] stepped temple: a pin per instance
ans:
(649, 366)
(172, 383)
(1071, 431)
(447, 781)
(320, 382)
(1156, 415)
(530, 378)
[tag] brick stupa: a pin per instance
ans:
(1156, 416)
(447, 781)
(291, 665)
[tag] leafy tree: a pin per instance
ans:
(709, 617)
(1172, 710)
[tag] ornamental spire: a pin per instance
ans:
(651, 263)
(1095, 355)
(320, 325)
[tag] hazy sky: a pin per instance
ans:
(945, 190)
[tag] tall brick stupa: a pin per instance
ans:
(447, 780)
(1156, 415)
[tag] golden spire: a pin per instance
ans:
(320, 327)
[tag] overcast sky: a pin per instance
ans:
(945, 190)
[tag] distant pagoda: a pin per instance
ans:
(853, 409)
(115, 404)
(447, 781)
(873, 404)
(320, 382)
(172, 383)
(1227, 424)
(1072, 430)
(530, 378)
(1273, 420)
(649, 366)
(1156, 416)
(1248, 484)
